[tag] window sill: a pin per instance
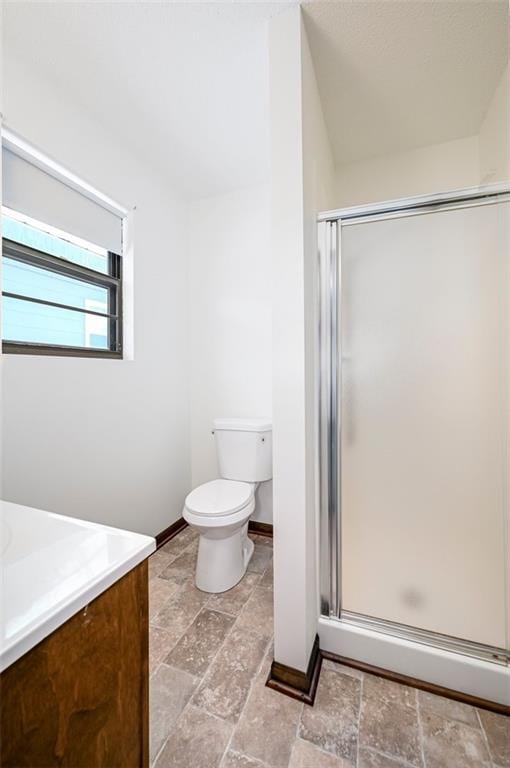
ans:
(47, 350)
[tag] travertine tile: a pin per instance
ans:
(198, 741)
(267, 580)
(170, 690)
(306, 755)
(267, 727)
(389, 726)
(341, 669)
(387, 690)
(234, 599)
(193, 547)
(180, 611)
(180, 570)
(453, 744)
(262, 556)
(497, 730)
(453, 710)
(199, 644)
(257, 538)
(160, 643)
(160, 592)
(236, 760)
(178, 544)
(257, 614)
(158, 562)
(226, 685)
(368, 758)
(332, 723)
(189, 627)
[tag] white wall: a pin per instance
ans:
(494, 134)
(435, 168)
(465, 162)
(230, 322)
(99, 439)
(301, 162)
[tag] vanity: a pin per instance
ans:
(74, 642)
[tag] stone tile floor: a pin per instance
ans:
(209, 707)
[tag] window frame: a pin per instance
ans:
(112, 281)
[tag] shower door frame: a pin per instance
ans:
(330, 225)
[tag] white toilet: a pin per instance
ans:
(220, 509)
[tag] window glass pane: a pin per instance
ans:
(58, 244)
(25, 321)
(40, 283)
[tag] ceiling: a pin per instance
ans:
(185, 84)
(400, 74)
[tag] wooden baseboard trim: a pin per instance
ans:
(294, 683)
(303, 685)
(262, 529)
(422, 685)
(170, 532)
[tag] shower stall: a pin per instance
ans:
(414, 434)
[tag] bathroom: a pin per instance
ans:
(223, 152)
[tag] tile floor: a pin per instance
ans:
(210, 656)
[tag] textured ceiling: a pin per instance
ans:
(183, 84)
(406, 73)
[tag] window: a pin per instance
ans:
(58, 296)
(61, 292)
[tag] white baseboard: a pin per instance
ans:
(483, 679)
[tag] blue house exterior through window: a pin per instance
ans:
(43, 306)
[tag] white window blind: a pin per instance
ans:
(35, 193)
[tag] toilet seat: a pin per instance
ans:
(219, 498)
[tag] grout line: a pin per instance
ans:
(241, 754)
(420, 728)
(211, 607)
(484, 737)
(159, 626)
(182, 712)
(298, 727)
(451, 719)
(256, 674)
(393, 758)
(200, 679)
(362, 685)
(204, 676)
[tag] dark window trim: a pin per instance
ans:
(111, 281)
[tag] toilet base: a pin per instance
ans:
(222, 562)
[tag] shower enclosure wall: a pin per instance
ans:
(414, 437)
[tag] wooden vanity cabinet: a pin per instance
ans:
(79, 699)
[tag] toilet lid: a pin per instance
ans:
(219, 497)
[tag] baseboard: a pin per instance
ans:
(170, 532)
(422, 685)
(262, 529)
(294, 683)
(455, 675)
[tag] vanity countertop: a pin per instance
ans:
(52, 566)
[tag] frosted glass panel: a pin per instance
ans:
(425, 417)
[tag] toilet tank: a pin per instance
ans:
(245, 449)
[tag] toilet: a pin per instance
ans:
(220, 509)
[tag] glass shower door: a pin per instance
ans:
(425, 420)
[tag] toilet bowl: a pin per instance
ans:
(220, 509)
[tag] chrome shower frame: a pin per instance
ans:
(330, 224)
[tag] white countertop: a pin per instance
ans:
(52, 566)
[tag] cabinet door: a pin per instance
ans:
(79, 698)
